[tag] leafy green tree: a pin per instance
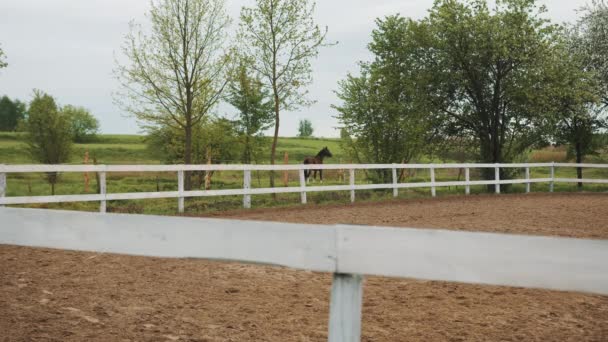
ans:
(217, 136)
(48, 134)
(175, 73)
(281, 38)
(592, 42)
(578, 119)
(305, 128)
(83, 124)
(383, 113)
(489, 71)
(248, 95)
(11, 113)
(220, 141)
(581, 77)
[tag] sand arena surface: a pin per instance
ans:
(51, 295)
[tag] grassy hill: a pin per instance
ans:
(131, 149)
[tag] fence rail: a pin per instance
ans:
(349, 252)
(303, 188)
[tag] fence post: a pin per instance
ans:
(395, 189)
(102, 191)
(345, 308)
(303, 186)
(2, 184)
(180, 191)
(351, 173)
(286, 172)
(467, 179)
(247, 186)
(497, 179)
(552, 177)
(433, 190)
(528, 179)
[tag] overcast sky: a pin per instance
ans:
(67, 47)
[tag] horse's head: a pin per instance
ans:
(325, 152)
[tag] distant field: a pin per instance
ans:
(131, 149)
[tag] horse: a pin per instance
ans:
(318, 159)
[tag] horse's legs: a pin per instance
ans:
(321, 174)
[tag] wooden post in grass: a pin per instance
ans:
(2, 184)
(98, 187)
(340, 173)
(208, 173)
(86, 174)
(286, 172)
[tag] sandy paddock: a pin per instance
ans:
(50, 295)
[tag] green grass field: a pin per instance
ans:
(131, 149)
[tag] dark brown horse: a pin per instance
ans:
(318, 159)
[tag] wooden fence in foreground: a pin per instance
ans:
(247, 191)
(349, 252)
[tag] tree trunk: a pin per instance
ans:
(579, 159)
(275, 138)
(52, 179)
(188, 155)
(247, 156)
(488, 154)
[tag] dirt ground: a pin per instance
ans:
(570, 215)
(50, 295)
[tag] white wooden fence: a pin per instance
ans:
(349, 252)
(247, 191)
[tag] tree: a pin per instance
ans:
(383, 113)
(220, 141)
(281, 38)
(305, 128)
(578, 119)
(48, 134)
(592, 34)
(3, 63)
(175, 73)
(216, 138)
(11, 113)
(490, 73)
(582, 80)
(83, 124)
(247, 94)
